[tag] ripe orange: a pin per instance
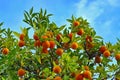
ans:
(37, 43)
(58, 37)
(57, 78)
(88, 38)
(76, 23)
(70, 35)
(21, 43)
(35, 36)
(52, 44)
(5, 51)
(22, 36)
(74, 45)
(106, 53)
(44, 37)
(97, 59)
(117, 57)
(59, 51)
(21, 72)
(79, 77)
(102, 48)
(80, 31)
(86, 67)
(87, 74)
(57, 69)
(46, 44)
(45, 50)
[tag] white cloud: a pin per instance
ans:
(91, 11)
(115, 3)
(94, 10)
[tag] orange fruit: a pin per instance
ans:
(117, 57)
(44, 37)
(52, 44)
(70, 35)
(35, 37)
(76, 23)
(57, 69)
(21, 72)
(74, 45)
(59, 51)
(46, 44)
(97, 59)
(57, 78)
(88, 38)
(37, 43)
(79, 77)
(21, 43)
(22, 36)
(80, 31)
(106, 53)
(87, 74)
(102, 48)
(45, 50)
(86, 67)
(58, 37)
(5, 51)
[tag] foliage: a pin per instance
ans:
(38, 61)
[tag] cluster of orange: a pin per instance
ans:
(21, 42)
(45, 44)
(106, 53)
(86, 74)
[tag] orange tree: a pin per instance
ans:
(57, 53)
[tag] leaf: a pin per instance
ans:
(99, 37)
(34, 14)
(66, 77)
(45, 12)
(73, 18)
(69, 20)
(38, 59)
(31, 10)
(25, 17)
(16, 34)
(62, 27)
(65, 39)
(49, 15)
(27, 14)
(1, 23)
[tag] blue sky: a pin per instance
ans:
(103, 15)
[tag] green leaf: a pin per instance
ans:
(49, 15)
(66, 77)
(65, 39)
(69, 20)
(16, 34)
(45, 12)
(62, 27)
(1, 23)
(31, 10)
(34, 14)
(98, 37)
